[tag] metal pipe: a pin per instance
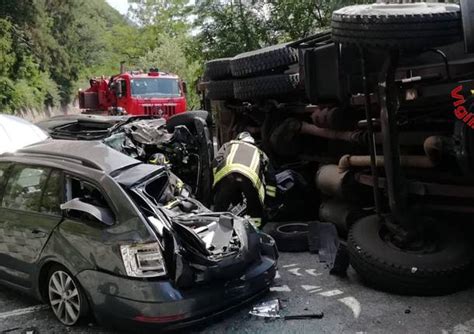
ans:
(415, 161)
(396, 185)
(370, 129)
(314, 130)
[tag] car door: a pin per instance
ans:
(4, 167)
(30, 207)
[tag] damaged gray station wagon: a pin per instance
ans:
(90, 230)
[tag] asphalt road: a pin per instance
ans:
(304, 286)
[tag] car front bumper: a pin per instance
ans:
(126, 303)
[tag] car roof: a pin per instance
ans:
(16, 133)
(93, 154)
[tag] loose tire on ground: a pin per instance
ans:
(280, 85)
(275, 57)
(220, 90)
(384, 266)
(289, 237)
(409, 26)
(217, 69)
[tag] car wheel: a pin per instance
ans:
(220, 90)
(440, 265)
(289, 237)
(217, 69)
(280, 85)
(66, 296)
(275, 57)
(409, 26)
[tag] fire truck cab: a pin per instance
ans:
(135, 93)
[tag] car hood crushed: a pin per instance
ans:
(199, 245)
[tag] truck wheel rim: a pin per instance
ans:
(64, 298)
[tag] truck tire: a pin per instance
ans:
(220, 90)
(384, 266)
(217, 69)
(289, 237)
(408, 26)
(275, 57)
(266, 86)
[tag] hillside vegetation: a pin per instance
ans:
(49, 48)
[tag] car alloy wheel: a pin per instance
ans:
(64, 297)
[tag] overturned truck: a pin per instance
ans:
(379, 111)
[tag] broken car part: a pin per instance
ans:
(271, 309)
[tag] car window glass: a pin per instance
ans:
(3, 170)
(52, 195)
(24, 188)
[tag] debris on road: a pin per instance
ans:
(271, 309)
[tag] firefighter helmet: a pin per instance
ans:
(246, 137)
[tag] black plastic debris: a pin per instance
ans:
(341, 262)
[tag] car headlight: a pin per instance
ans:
(143, 260)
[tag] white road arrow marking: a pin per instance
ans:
(277, 275)
(295, 271)
(353, 304)
(312, 288)
(283, 288)
(331, 293)
(23, 311)
(290, 265)
(312, 272)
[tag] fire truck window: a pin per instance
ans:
(123, 83)
(155, 87)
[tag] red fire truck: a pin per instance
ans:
(135, 93)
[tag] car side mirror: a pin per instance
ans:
(118, 89)
(185, 87)
(103, 215)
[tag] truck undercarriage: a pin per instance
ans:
(379, 111)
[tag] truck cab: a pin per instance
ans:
(135, 93)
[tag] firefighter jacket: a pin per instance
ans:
(249, 161)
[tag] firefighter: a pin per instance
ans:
(243, 176)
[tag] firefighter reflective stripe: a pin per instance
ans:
(257, 222)
(255, 160)
(231, 155)
(270, 191)
(171, 204)
(245, 171)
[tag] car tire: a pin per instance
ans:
(289, 237)
(383, 266)
(66, 296)
(267, 86)
(187, 119)
(275, 57)
(408, 26)
(217, 69)
(220, 90)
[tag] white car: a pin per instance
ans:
(16, 133)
